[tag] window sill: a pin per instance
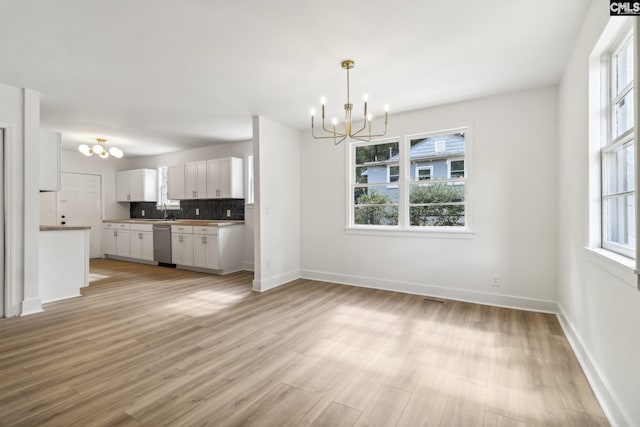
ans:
(617, 265)
(429, 234)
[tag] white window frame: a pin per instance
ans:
(403, 228)
(163, 202)
(422, 168)
(611, 143)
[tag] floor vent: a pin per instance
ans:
(438, 301)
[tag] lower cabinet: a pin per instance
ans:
(142, 241)
(206, 253)
(182, 245)
(128, 240)
(116, 239)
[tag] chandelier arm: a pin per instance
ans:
(333, 132)
(341, 139)
(361, 129)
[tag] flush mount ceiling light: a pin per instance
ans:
(100, 150)
(362, 134)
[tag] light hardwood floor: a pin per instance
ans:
(154, 346)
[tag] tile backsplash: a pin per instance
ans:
(209, 209)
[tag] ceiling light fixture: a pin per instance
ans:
(100, 150)
(362, 134)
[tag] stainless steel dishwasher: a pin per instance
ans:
(162, 244)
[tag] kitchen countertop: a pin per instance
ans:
(62, 227)
(192, 222)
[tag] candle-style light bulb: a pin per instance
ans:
(365, 97)
(334, 121)
(386, 108)
(369, 117)
(323, 100)
(313, 112)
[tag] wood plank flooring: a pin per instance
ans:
(155, 346)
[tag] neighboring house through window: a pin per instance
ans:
(163, 201)
(423, 188)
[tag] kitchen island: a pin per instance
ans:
(64, 261)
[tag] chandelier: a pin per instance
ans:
(339, 135)
(100, 150)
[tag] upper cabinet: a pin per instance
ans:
(138, 185)
(224, 178)
(210, 179)
(195, 176)
(49, 161)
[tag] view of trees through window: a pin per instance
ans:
(435, 182)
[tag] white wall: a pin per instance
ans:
(277, 204)
(600, 308)
(74, 161)
(20, 119)
(513, 206)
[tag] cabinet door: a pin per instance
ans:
(109, 241)
(191, 180)
(136, 191)
(212, 253)
(199, 250)
(123, 243)
(147, 246)
(201, 179)
(123, 186)
(136, 244)
(224, 178)
(176, 248)
(176, 182)
(149, 185)
(187, 249)
(213, 172)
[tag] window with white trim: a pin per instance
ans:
(617, 153)
(417, 185)
(163, 200)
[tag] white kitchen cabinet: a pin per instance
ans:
(175, 182)
(116, 239)
(195, 180)
(142, 241)
(49, 161)
(182, 245)
(225, 179)
(137, 185)
(206, 252)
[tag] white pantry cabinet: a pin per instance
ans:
(195, 180)
(175, 182)
(182, 245)
(225, 179)
(49, 161)
(137, 185)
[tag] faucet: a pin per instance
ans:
(164, 211)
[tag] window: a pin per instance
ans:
(417, 185)
(617, 153)
(163, 201)
(373, 200)
(423, 173)
(440, 202)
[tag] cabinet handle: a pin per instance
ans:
(115, 233)
(128, 196)
(140, 236)
(180, 238)
(204, 240)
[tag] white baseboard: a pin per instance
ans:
(31, 306)
(603, 392)
(275, 281)
(498, 300)
(247, 265)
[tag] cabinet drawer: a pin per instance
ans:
(141, 227)
(210, 231)
(120, 226)
(184, 229)
(109, 225)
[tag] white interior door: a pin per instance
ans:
(2, 288)
(79, 203)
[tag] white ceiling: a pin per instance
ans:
(155, 76)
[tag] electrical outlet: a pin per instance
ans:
(496, 281)
(197, 211)
(142, 212)
(228, 212)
